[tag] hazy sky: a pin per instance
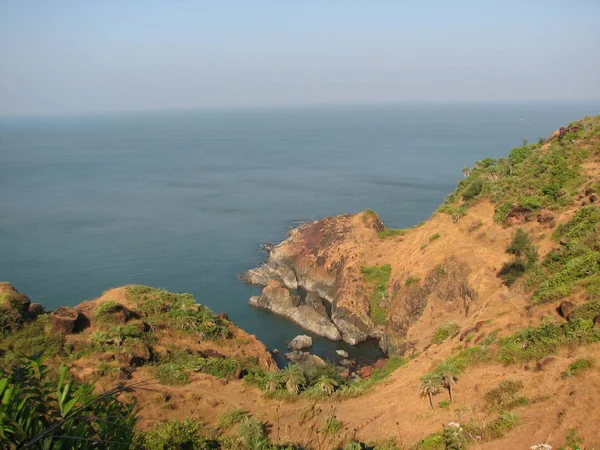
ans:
(103, 55)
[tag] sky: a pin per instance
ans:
(64, 57)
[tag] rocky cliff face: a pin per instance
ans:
(313, 278)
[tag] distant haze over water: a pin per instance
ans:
(182, 200)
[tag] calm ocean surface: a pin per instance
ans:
(182, 200)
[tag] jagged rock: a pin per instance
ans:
(345, 374)
(300, 342)
(597, 321)
(305, 360)
(342, 353)
(278, 299)
(63, 320)
(275, 351)
(347, 363)
(565, 309)
(593, 198)
(589, 191)
(223, 316)
(518, 214)
(545, 216)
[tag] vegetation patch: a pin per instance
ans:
(576, 262)
(506, 396)
(232, 417)
(392, 232)
(533, 176)
(577, 367)
(171, 374)
(378, 277)
(444, 332)
(178, 311)
(525, 256)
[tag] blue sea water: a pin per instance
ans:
(182, 200)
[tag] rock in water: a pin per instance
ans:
(300, 342)
(342, 353)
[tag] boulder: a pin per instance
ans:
(347, 363)
(305, 360)
(300, 342)
(63, 320)
(365, 372)
(380, 363)
(134, 354)
(597, 321)
(345, 374)
(545, 216)
(593, 198)
(565, 309)
(342, 353)
(35, 309)
(117, 313)
(223, 316)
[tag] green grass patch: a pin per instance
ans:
(378, 277)
(171, 374)
(392, 232)
(506, 396)
(444, 332)
(435, 236)
(577, 367)
(232, 417)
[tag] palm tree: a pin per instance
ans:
(294, 378)
(327, 384)
(429, 389)
(274, 380)
(449, 382)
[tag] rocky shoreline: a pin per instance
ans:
(312, 278)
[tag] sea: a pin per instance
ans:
(182, 200)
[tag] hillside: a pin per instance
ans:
(489, 311)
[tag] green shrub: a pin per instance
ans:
(378, 278)
(232, 417)
(504, 397)
(444, 404)
(444, 332)
(433, 237)
(573, 441)
(52, 409)
(525, 256)
(172, 374)
(174, 435)
(578, 366)
(253, 435)
(474, 188)
(506, 422)
(104, 312)
(332, 426)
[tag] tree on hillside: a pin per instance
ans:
(294, 378)
(449, 382)
(429, 389)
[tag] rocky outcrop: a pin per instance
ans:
(64, 320)
(313, 277)
(309, 313)
(300, 342)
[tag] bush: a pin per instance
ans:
(174, 435)
(104, 312)
(525, 256)
(433, 237)
(411, 280)
(578, 366)
(253, 434)
(473, 189)
(332, 426)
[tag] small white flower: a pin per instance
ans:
(454, 424)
